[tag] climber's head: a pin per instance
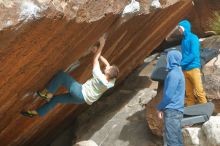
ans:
(111, 72)
(184, 27)
(181, 29)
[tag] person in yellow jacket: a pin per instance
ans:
(191, 65)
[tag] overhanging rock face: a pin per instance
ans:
(202, 15)
(40, 37)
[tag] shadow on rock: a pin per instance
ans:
(133, 132)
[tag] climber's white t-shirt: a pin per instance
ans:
(93, 89)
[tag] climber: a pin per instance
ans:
(88, 92)
(190, 64)
(172, 104)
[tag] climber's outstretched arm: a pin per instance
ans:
(98, 52)
(105, 61)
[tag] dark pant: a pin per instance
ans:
(172, 127)
(74, 94)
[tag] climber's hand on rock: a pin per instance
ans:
(102, 41)
(160, 114)
(94, 49)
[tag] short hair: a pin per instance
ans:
(113, 72)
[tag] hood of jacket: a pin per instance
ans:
(174, 58)
(186, 25)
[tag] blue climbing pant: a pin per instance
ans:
(73, 96)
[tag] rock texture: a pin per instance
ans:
(193, 136)
(212, 131)
(81, 10)
(40, 37)
(202, 15)
(207, 135)
(145, 4)
(154, 123)
(212, 73)
(86, 143)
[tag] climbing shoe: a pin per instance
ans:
(44, 94)
(29, 114)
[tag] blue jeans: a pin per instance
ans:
(172, 127)
(74, 94)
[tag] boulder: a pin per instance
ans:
(154, 123)
(202, 15)
(211, 130)
(211, 71)
(86, 143)
(40, 37)
(193, 136)
(206, 135)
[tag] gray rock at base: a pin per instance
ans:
(146, 95)
(212, 131)
(86, 143)
(212, 86)
(193, 136)
(207, 135)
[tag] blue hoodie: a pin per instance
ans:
(190, 48)
(174, 87)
